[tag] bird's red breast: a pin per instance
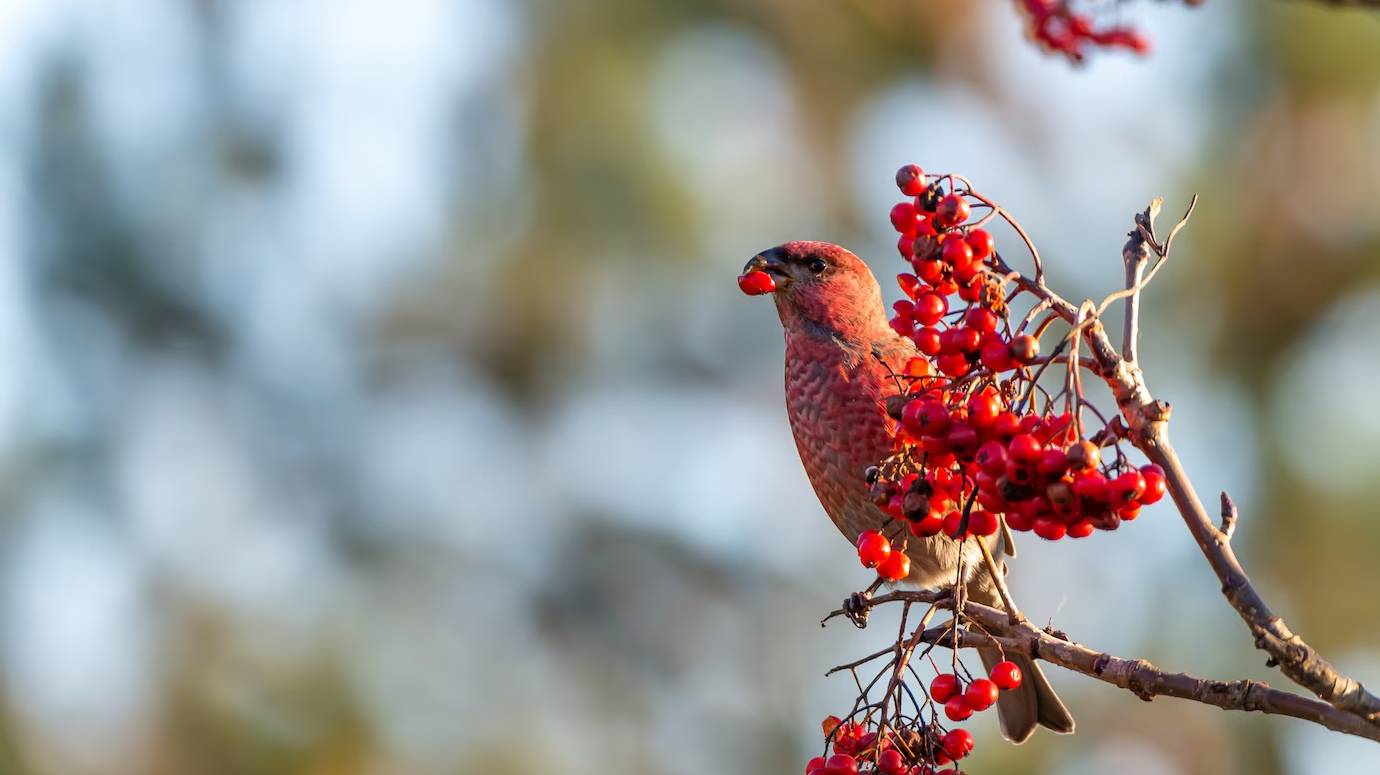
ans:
(835, 400)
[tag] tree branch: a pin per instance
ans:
(1147, 420)
(1138, 676)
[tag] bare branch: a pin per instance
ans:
(1147, 419)
(1138, 676)
(1135, 254)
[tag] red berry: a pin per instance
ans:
(962, 439)
(957, 709)
(991, 458)
(954, 364)
(1053, 463)
(981, 694)
(904, 217)
(930, 525)
(1155, 484)
(930, 308)
(890, 762)
(957, 743)
(895, 567)
(816, 763)
(929, 270)
(956, 252)
(960, 339)
(873, 548)
(953, 210)
(910, 179)
(980, 240)
(927, 340)
(1126, 488)
(905, 245)
(982, 523)
(1025, 348)
(1050, 529)
(951, 523)
(981, 319)
(1025, 448)
(756, 283)
(996, 355)
(944, 686)
(1080, 529)
(1019, 520)
(926, 417)
(1005, 674)
(917, 367)
(968, 288)
(1091, 486)
(841, 764)
(910, 284)
(983, 409)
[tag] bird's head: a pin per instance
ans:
(818, 285)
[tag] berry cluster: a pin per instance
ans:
(971, 447)
(1059, 28)
(915, 749)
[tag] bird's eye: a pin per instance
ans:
(817, 265)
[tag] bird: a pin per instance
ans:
(841, 358)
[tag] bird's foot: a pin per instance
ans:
(857, 608)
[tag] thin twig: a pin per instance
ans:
(999, 582)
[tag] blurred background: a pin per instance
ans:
(378, 399)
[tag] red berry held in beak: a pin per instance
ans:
(756, 283)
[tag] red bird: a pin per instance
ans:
(840, 355)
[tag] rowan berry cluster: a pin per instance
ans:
(972, 449)
(916, 749)
(1059, 28)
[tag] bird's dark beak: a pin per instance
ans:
(772, 263)
(769, 261)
